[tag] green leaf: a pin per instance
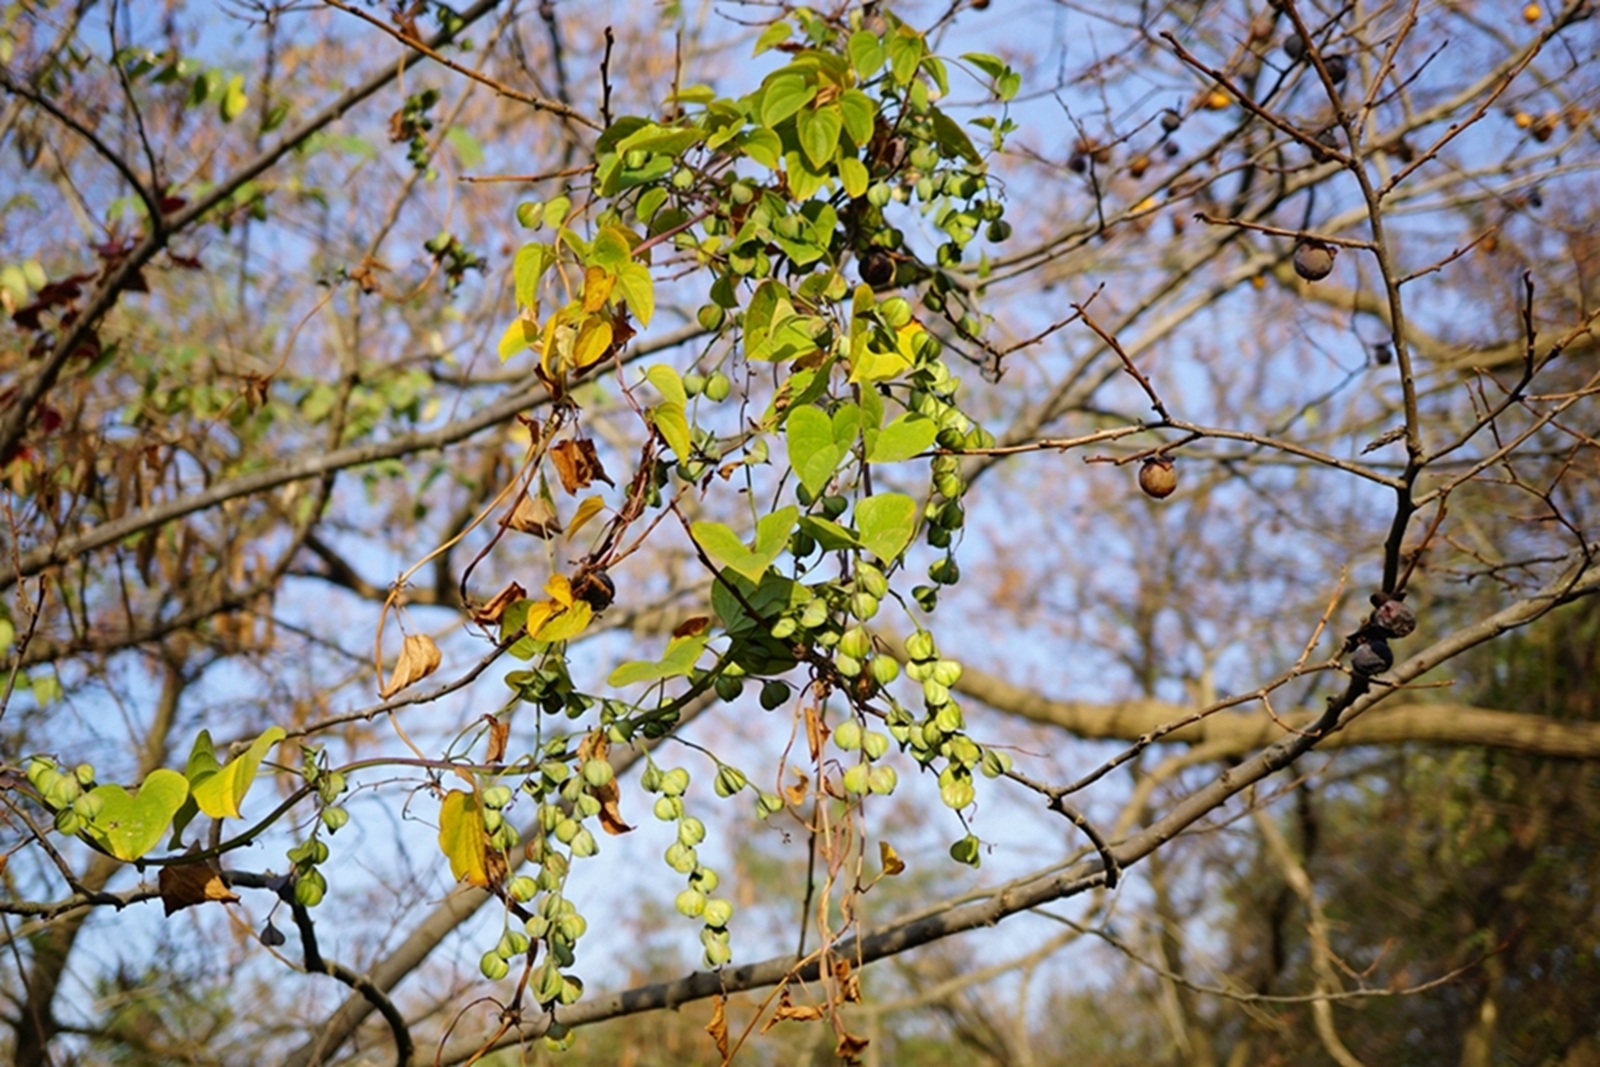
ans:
(520, 335)
(567, 625)
(664, 140)
(819, 134)
(667, 382)
(952, 138)
(866, 53)
(856, 107)
(901, 439)
(812, 451)
(887, 522)
(612, 249)
(726, 547)
(993, 66)
(772, 36)
(905, 52)
(785, 94)
(531, 261)
(468, 148)
(218, 791)
(129, 826)
(1008, 85)
(829, 535)
(773, 595)
(555, 212)
(853, 173)
(637, 288)
(763, 146)
(679, 660)
(672, 421)
(234, 100)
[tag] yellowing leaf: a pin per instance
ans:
(522, 334)
(597, 283)
(539, 614)
(128, 825)
(461, 837)
(588, 509)
(637, 288)
(218, 791)
(892, 863)
(593, 343)
(568, 624)
(419, 657)
(560, 590)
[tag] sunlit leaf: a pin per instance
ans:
(130, 825)
(218, 791)
(461, 837)
(887, 522)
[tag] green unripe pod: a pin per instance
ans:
(682, 179)
(530, 215)
(875, 744)
(883, 780)
(668, 809)
(497, 796)
(63, 790)
(691, 903)
(716, 955)
(814, 614)
(934, 694)
(730, 780)
(784, 628)
(884, 669)
(947, 672)
(998, 231)
(774, 694)
(848, 665)
(84, 772)
(945, 571)
(536, 926)
(550, 983)
(705, 879)
(493, 967)
(88, 806)
(598, 773)
(949, 719)
(512, 943)
(717, 912)
(863, 605)
(896, 312)
(694, 384)
(571, 989)
(847, 735)
(335, 819)
(588, 806)
(719, 387)
(584, 845)
(950, 486)
(691, 832)
(521, 889)
(572, 926)
(856, 643)
(68, 821)
(681, 858)
(920, 646)
(566, 830)
(310, 888)
(492, 820)
(858, 779)
(879, 194)
(675, 782)
(870, 579)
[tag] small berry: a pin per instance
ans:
(876, 269)
(1170, 121)
(1393, 616)
(1294, 46)
(1374, 657)
(1338, 68)
(1313, 260)
(1157, 477)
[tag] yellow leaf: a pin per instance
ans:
(568, 624)
(522, 334)
(461, 837)
(588, 509)
(592, 344)
(538, 615)
(419, 657)
(892, 863)
(597, 283)
(560, 590)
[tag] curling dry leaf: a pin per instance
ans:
(849, 982)
(892, 863)
(499, 733)
(788, 1010)
(419, 657)
(816, 731)
(796, 794)
(187, 884)
(850, 1047)
(718, 1027)
(578, 464)
(490, 613)
(535, 515)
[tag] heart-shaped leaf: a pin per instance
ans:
(219, 790)
(887, 522)
(130, 825)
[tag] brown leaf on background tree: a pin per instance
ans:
(489, 614)
(718, 1027)
(187, 884)
(419, 657)
(499, 732)
(535, 515)
(578, 464)
(788, 1010)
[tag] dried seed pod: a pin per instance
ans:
(1392, 615)
(1138, 165)
(876, 269)
(1170, 121)
(1313, 260)
(1157, 477)
(1338, 68)
(1294, 46)
(595, 589)
(1374, 657)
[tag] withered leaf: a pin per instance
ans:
(499, 732)
(892, 863)
(851, 1047)
(849, 982)
(419, 657)
(187, 884)
(578, 464)
(610, 814)
(718, 1027)
(490, 613)
(788, 1010)
(816, 731)
(535, 515)
(691, 627)
(796, 794)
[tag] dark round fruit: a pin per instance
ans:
(1374, 657)
(876, 269)
(1294, 46)
(1338, 68)
(1313, 260)
(1170, 121)
(1157, 477)
(1393, 616)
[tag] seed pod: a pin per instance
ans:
(1374, 657)
(1157, 477)
(1338, 68)
(1170, 121)
(1294, 46)
(1393, 616)
(1313, 260)
(876, 269)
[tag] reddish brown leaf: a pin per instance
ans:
(187, 884)
(851, 1047)
(610, 814)
(691, 627)
(578, 464)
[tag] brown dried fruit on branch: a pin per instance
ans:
(1313, 260)
(877, 269)
(1392, 616)
(1338, 68)
(419, 657)
(1157, 477)
(1373, 657)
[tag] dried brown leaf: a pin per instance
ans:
(796, 794)
(610, 814)
(787, 1010)
(691, 627)
(892, 863)
(850, 1047)
(489, 614)
(187, 884)
(535, 515)
(718, 1027)
(849, 982)
(419, 657)
(816, 731)
(578, 464)
(499, 732)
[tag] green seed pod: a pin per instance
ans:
(492, 820)
(682, 179)
(584, 845)
(730, 780)
(694, 384)
(548, 990)
(951, 515)
(64, 789)
(947, 672)
(716, 955)
(691, 903)
(536, 926)
(875, 744)
(717, 912)
(994, 763)
(920, 646)
(668, 809)
(949, 719)
(870, 579)
(705, 879)
(882, 780)
(863, 605)
(310, 888)
(497, 796)
(39, 770)
(521, 889)
(588, 806)
(856, 643)
(998, 231)
(858, 780)
(924, 189)
(934, 694)
(571, 989)
(802, 544)
(681, 857)
(879, 194)
(774, 694)
(566, 830)
(68, 821)
(939, 537)
(493, 967)
(719, 387)
(691, 831)
(895, 312)
(84, 772)
(847, 735)
(572, 926)
(728, 689)
(834, 505)
(88, 806)
(335, 819)
(598, 773)
(512, 943)
(554, 771)
(966, 851)
(710, 317)
(945, 571)
(784, 628)
(884, 669)
(848, 666)
(814, 614)
(675, 782)
(530, 215)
